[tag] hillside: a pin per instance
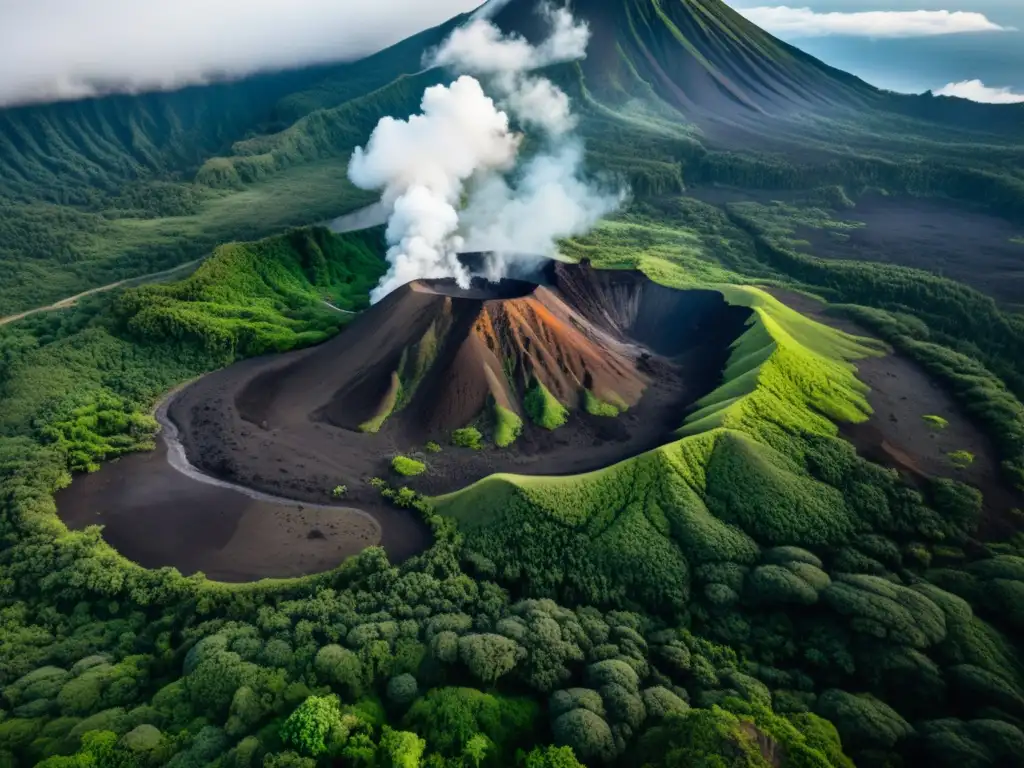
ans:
(700, 57)
(747, 591)
(104, 189)
(582, 371)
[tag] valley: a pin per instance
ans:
(677, 422)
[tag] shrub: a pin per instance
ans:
(544, 408)
(433, 447)
(468, 437)
(339, 491)
(507, 427)
(597, 407)
(407, 467)
(935, 421)
(961, 459)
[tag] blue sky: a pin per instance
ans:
(904, 45)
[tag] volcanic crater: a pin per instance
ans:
(618, 357)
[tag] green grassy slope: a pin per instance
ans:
(122, 350)
(787, 375)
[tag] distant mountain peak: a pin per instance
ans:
(699, 56)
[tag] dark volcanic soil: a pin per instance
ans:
(157, 516)
(972, 247)
(286, 425)
(897, 436)
(943, 237)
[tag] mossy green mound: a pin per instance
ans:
(407, 467)
(507, 426)
(543, 407)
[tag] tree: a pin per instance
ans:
(863, 721)
(401, 749)
(308, 727)
(587, 734)
(488, 657)
(341, 667)
(552, 757)
(402, 690)
(476, 749)
(450, 717)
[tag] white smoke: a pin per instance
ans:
(521, 222)
(422, 164)
(480, 48)
(461, 150)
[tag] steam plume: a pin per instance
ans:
(422, 164)
(461, 149)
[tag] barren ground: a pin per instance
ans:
(155, 515)
(972, 247)
(897, 435)
(297, 448)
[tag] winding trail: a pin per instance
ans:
(159, 510)
(70, 301)
(368, 216)
(178, 459)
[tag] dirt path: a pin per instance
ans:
(70, 301)
(370, 216)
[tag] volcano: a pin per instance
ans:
(699, 56)
(571, 372)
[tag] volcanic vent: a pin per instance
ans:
(570, 373)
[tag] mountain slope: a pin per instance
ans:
(78, 151)
(103, 189)
(699, 56)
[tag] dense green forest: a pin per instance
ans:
(753, 593)
(837, 616)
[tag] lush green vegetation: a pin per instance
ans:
(597, 407)
(407, 467)
(753, 593)
(935, 422)
(753, 586)
(543, 407)
(507, 426)
(961, 459)
(250, 299)
(468, 437)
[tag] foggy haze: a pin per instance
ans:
(60, 49)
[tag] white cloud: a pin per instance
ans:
(975, 90)
(52, 49)
(806, 22)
